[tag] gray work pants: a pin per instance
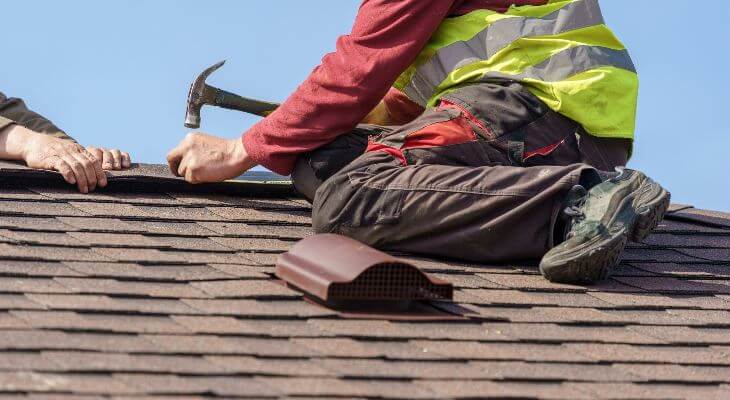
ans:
(482, 177)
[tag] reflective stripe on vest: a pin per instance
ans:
(562, 52)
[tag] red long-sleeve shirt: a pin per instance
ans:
(385, 39)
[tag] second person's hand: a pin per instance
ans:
(111, 159)
(77, 165)
(83, 167)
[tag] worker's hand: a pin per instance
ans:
(76, 165)
(111, 159)
(201, 158)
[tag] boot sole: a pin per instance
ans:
(598, 263)
(650, 215)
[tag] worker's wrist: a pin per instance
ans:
(5, 129)
(15, 142)
(239, 155)
(5, 123)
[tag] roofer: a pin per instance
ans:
(28, 137)
(488, 130)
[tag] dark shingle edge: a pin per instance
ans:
(716, 220)
(157, 178)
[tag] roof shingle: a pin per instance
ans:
(152, 288)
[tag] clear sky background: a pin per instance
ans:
(115, 73)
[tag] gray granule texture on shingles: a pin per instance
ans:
(153, 288)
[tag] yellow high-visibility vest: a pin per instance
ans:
(562, 52)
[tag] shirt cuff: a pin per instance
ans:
(263, 154)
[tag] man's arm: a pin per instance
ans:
(14, 110)
(385, 39)
(28, 137)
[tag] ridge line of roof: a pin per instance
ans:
(155, 178)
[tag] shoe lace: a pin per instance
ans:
(574, 209)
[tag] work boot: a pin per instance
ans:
(600, 223)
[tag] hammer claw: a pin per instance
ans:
(205, 74)
(201, 94)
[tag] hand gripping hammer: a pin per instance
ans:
(201, 94)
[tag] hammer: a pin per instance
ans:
(201, 94)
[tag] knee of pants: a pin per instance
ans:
(304, 179)
(328, 212)
(357, 202)
(371, 216)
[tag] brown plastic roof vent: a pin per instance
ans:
(343, 272)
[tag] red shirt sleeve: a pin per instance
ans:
(385, 39)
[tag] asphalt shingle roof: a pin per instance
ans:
(155, 289)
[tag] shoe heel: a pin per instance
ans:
(649, 218)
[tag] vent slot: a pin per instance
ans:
(386, 282)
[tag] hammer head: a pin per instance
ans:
(200, 94)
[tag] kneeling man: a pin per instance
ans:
(483, 130)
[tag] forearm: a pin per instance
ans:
(27, 137)
(14, 140)
(349, 84)
(14, 110)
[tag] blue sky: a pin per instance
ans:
(116, 73)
